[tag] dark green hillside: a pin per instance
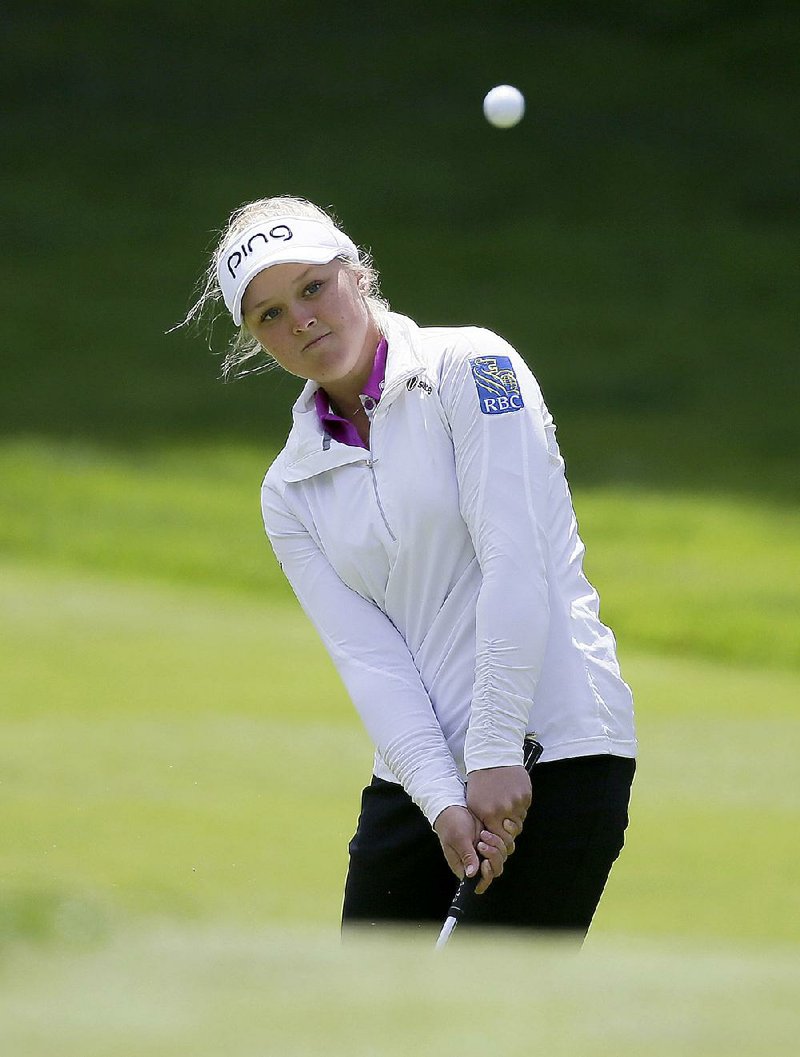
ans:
(636, 236)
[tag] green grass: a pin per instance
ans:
(187, 752)
(175, 742)
(698, 574)
(203, 992)
(164, 749)
(635, 236)
(180, 775)
(184, 514)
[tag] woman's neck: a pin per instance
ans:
(345, 393)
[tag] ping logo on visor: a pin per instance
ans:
(278, 240)
(235, 258)
(497, 385)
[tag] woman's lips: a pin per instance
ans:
(312, 343)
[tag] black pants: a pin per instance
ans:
(573, 833)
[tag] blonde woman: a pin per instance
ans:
(421, 513)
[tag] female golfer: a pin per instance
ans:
(421, 514)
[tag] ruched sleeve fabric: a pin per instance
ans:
(498, 422)
(374, 664)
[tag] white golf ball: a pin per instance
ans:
(504, 106)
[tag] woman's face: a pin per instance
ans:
(314, 321)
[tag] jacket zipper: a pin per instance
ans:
(378, 500)
(371, 466)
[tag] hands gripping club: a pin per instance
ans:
(465, 892)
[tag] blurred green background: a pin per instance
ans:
(180, 768)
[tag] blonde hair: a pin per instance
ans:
(244, 355)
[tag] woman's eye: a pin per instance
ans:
(271, 313)
(314, 286)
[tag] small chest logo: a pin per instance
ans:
(497, 385)
(417, 382)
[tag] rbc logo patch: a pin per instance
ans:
(498, 388)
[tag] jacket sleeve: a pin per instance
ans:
(502, 465)
(374, 663)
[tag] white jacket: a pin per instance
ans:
(443, 568)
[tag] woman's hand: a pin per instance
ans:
(468, 848)
(500, 798)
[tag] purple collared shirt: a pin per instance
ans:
(340, 428)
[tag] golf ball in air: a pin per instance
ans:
(504, 106)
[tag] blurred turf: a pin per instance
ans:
(209, 991)
(697, 574)
(188, 753)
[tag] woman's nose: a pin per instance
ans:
(303, 320)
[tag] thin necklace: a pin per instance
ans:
(360, 408)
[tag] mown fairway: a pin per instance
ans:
(177, 745)
(180, 778)
(200, 993)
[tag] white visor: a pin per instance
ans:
(282, 240)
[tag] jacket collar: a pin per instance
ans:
(309, 450)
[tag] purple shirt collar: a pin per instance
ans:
(340, 428)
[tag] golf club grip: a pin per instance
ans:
(466, 887)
